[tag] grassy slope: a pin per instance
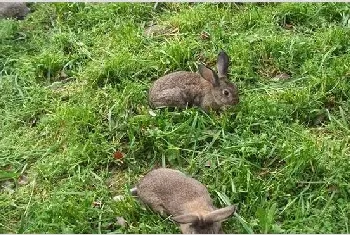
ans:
(282, 154)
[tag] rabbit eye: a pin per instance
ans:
(226, 92)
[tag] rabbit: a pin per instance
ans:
(171, 192)
(207, 90)
(16, 10)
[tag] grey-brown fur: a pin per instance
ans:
(170, 192)
(206, 89)
(17, 10)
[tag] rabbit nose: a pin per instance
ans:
(236, 101)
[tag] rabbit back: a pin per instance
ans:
(171, 192)
(13, 10)
(178, 89)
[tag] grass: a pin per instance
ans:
(282, 154)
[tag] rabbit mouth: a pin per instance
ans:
(225, 107)
(236, 101)
(229, 106)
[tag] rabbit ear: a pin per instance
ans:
(222, 64)
(208, 74)
(186, 218)
(220, 214)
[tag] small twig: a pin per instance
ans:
(312, 182)
(155, 6)
(24, 168)
(100, 221)
(30, 199)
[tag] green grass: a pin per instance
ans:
(282, 154)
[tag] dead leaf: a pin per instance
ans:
(8, 186)
(153, 114)
(118, 198)
(8, 168)
(33, 122)
(63, 75)
(281, 76)
(23, 180)
(208, 164)
(158, 30)
(118, 155)
(288, 26)
(204, 35)
(330, 102)
(332, 188)
(97, 204)
(320, 119)
(264, 171)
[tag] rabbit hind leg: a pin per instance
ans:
(157, 205)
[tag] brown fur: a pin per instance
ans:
(16, 10)
(207, 89)
(170, 192)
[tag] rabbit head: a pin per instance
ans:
(223, 93)
(210, 223)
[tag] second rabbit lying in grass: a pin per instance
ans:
(170, 192)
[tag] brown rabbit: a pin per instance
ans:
(170, 192)
(208, 89)
(16, 10)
